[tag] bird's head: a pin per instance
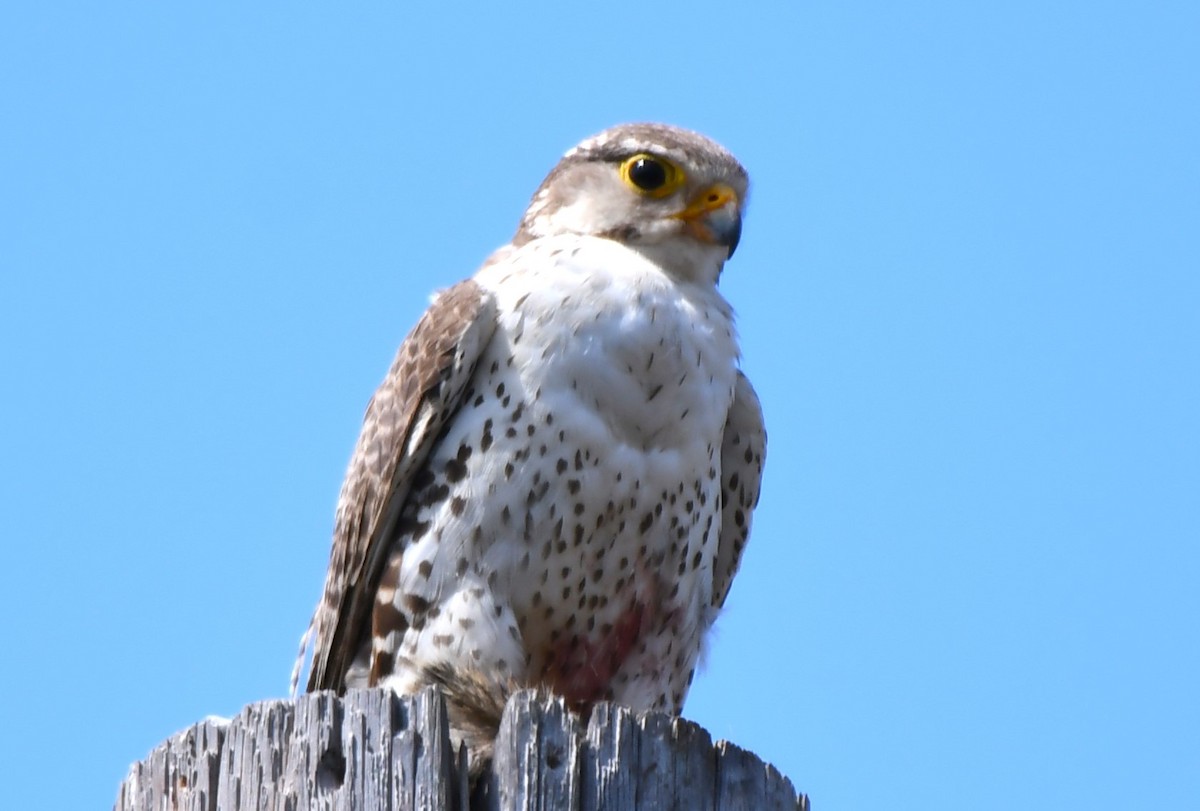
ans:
(667, 192)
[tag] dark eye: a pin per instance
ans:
(652, 176)
(648, 174)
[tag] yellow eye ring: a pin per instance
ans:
(650, 175)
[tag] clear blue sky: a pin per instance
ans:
(969, 295)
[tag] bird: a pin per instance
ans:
(554, 483)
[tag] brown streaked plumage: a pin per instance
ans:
(406, 413)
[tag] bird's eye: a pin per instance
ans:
(650, 175)
(647, 174)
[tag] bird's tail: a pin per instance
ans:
(298, 668)
(475, 702)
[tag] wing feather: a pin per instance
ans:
(418, 397)
(743, 453)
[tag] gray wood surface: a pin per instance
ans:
(374, 750)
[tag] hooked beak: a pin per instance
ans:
(714, 217)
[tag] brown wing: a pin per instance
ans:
(420, 394)
(743, 452)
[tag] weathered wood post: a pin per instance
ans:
(372, 750)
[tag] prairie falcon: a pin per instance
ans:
(554, 482)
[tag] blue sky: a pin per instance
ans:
(968, 291)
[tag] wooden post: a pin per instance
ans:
(372, 750)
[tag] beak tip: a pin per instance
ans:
(733, 236)
(724, 227)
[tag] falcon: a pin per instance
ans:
(554, 483)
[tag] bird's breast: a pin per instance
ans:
(597, 332)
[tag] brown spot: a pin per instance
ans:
(456, 471)
(414, 529)
(386, 618)
(416, 604)
(382, 664)
(434, 495)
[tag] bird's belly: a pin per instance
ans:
(619, 567)
(568, 557)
